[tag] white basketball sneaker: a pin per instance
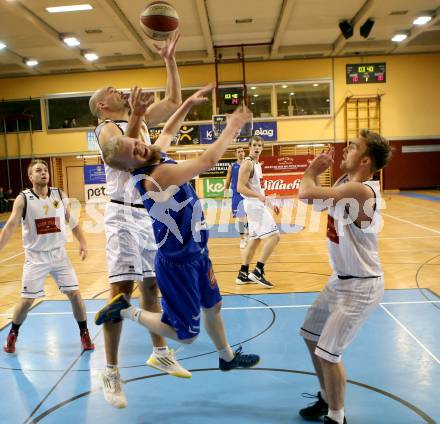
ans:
(168, 363)
(112, 388)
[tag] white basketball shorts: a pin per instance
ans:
(260, 220)
(338, 312)
(131, 246)
(38, 265)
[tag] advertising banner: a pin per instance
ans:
(281, 185)
(219, 170)
(283, 164)
(213, 187)
(187, 135)
(94, 183)
(266, 130)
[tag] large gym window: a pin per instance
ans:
(69, 112)
(21, 115)
(259, 100)
(201, 112)
(303, 99)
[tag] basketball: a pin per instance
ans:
(159, 20)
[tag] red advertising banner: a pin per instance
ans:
(281, 185)
(282, 164)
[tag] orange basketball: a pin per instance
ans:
(159, 20)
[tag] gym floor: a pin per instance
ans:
(393, 365)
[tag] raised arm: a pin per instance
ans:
(161, 111)
(173, 124)
(167, 175)
(13, 221)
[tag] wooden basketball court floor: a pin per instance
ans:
(393, 365)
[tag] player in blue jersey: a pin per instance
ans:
(183, 268)
(238, 211)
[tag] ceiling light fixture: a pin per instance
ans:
(398, 38)
(253, 88)
(71, 41)
(91, 56)
(284, 86)
(73, 8)
(292, 94)
(31, 62)
(2, 45)
(423, 19)
(315, 85)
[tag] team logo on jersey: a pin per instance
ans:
(56, 203)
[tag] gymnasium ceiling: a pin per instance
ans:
(278, 29)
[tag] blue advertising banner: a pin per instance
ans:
(94, 174)
(266, 130)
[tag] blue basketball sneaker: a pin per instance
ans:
(239, 361)
(111, 311)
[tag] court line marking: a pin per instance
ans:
(411, 335)
(11, 257)
(412, 223)
(236, 308)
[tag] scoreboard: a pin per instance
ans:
(365, 73)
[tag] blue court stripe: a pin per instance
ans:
(421, 196)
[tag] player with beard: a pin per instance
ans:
(130, 246)
(356, 286)
(184, 271)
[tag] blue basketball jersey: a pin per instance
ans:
(179, 224)
(234, 178)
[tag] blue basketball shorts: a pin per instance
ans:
(237, 207)
(185, 288)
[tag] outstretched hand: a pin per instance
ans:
(200, 95)
(168, 49)
(241, 116)
(139, 101)
(321, 162)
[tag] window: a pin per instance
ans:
(303, 99)
(24, 113)
(201, 112)
(259, 100)
(69, 112)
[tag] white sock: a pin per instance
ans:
(337, 416)
(323, 395)
(131, 313)
(111, 367)
(161, 350)
(227, 354)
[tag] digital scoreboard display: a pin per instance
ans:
(365, 73)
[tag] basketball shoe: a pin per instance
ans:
(111, 311)
(239, 361)
(257, 276)
(316, 410)
(328, 420)
(86, 341)
(168, 363)
(112, 388)
(9, 346)
(242, 278)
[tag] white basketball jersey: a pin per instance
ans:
(119, 185)
(43, 221)
(353, 250)
(255, 181)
